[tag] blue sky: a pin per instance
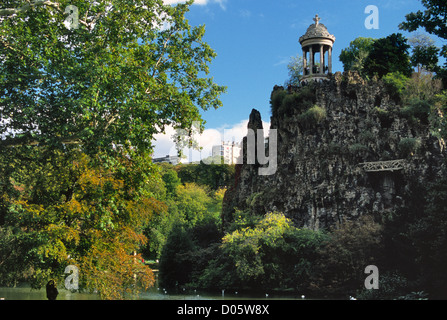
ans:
(254, 40)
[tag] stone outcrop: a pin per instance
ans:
(326, 132)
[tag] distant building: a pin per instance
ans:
(230, 151)
(168, 159)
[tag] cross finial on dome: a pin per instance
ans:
(317, 20)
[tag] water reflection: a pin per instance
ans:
(24, 292)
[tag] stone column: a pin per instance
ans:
(304, 61)
(311, 60)
(329, 56)
(321, 59)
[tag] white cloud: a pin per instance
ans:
(282, 61)
(164, 144)
(244, 13)
(198, 2)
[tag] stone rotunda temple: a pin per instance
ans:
(317, 43)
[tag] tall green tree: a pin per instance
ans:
(353, 57)
(433, 20)
(387, 55)
(79, 105)
(425, 53)
(214, 176)
(295, 67)
(127, 71)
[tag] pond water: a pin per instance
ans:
(24, 292)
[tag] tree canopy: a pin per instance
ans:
(130, 69)
(425, 53)
(353, 57)
(377, 57)
(295, 67)
(433, 20)
(389, 54)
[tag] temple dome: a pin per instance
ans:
(317, 30)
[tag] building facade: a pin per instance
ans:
(230, 151)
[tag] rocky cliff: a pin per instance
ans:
(336, 145)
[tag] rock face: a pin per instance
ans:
(326, 132)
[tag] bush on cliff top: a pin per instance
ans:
(285, 103)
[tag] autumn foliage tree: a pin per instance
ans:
(82, 215)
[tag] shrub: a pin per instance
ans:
(351, 246)
(272, 253)
(408, 146)
(290, 101)
(276, 100)
(358, 148)
(366, 136)
(286, 103)
(307, 94)
(438, 122)
(395, 84)
(417, 110)
(422, 87)
(384, 116)
(334, 148)
(392, 285)
(312, 116)
(296, 101)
